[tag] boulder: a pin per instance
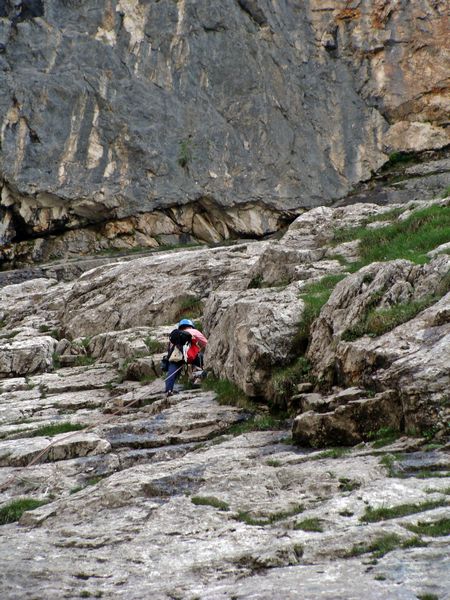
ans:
(26, 355)
(249, 333)
(349, 423)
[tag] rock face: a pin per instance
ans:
(140, 495)
(203, 120)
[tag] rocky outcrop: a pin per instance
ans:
(194, 119)
(250, 333)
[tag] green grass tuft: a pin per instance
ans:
(383, 437)
(431, 528)
(154, 346)
(312, 524)
(383, 513)
(55, 429)
(210, 501)
(331, 453)
(13, 511)
(227, 392)
(384, 544)
(247, 518)
(284, 381)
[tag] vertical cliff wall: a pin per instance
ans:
(250, 108)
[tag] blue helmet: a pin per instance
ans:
(185, 323)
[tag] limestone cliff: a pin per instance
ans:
(158, 119)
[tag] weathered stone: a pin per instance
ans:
(249, 333)
(61, 447)
(26, 356)
(349, 423)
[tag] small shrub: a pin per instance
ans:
(257, 423)
(427, 597)
(13, 511)
(210, 501)
(56, 360)
(312, 524)
(84, 360)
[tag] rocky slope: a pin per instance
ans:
(127, 123)
(197, 497)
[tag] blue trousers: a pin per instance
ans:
(172, 375)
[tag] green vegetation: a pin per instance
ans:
(346, 513)
(380, 577)
(84, 360)
(388, 461)
(384, 544)
(154, 346)
(314, 295)
(191, 306)
(446, 192)
(412, 238)
(348, 485)
(13, 511)
(259, 422)
(383, 437)
(284, 381)
(399, 158)
(56, 360)
(246, 517)
(256, 282)
(373, 515)
(227, 392)
(185, 155)
(427, 597)
(312, 524)
(379, 321)
(55, 429)
(331, 453)
(272, 462)
(210, 501)
(431, 528)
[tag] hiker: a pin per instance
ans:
(186, 345)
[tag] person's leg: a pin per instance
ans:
(172, 374)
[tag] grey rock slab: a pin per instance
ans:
(75, 379)
(26, 356)
(249, 333)
(151, 290)
(61, 447)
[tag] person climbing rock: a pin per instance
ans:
(186, 346)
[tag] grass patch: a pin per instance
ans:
(411, 239)
(154, 346)
(446, 192)
(384, 544)
(372, 515)
(56, 360)
(427, 597)
(272, 462)
(190, 305)
(284, 381)
(227, 392)
(348, 485)
(13, 511)
(346, 513)
(84, 360)
(210, 501)
(314, 295)
(185, 154)
(383, 437)
(51, 430)
(379, 321)
(256, 423)
(247, 518)
(312, 524)
(431, 528)
(331, 453)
